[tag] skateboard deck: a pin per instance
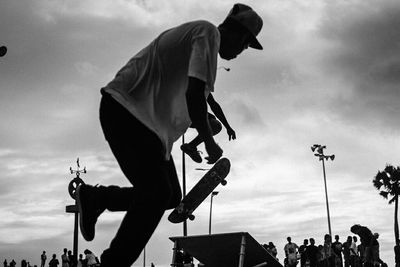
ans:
(200, 191)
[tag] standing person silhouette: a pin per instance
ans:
(149, 104)
(43, 259)
(65, 258)
(54, 261)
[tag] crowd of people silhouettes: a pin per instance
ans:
(333, 254)
(66, 260)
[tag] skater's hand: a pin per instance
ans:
(214, 152)
(231, 134)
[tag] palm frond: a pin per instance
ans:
(377, 183)
(395, 176)
(392, 200)
(382, 175)
(388, 182)
(389, 169)
(384, 194)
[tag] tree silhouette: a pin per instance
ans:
(388, 184)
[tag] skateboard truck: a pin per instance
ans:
(182, 210)
(218, 178)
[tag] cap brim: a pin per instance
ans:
(254, 43)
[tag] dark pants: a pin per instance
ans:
(303, 261)
(140, 155)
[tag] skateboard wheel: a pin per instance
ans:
(191, 217)
(224, 182)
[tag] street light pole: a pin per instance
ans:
(184, 184)
(326, 199)
(322, 157)
(214, 193)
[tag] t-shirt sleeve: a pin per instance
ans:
(203, 56)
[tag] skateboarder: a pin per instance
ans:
(150, 103)
(370, 243)
(191, 148)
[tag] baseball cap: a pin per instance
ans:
(248, 18)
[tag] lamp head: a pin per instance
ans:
(314, 146)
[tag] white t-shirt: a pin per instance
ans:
(153, 84)
(91, 259)
(353, 249)
(291, 248)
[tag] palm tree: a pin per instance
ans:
(388, 184)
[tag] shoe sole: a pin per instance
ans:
(79, 204)
(187, 152)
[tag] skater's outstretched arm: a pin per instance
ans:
(217, 110)
(197, 107)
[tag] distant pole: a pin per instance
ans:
(144, 257)
(184, 183)
(326, 199)
(73, 185)
(214, 193)
(322, 157)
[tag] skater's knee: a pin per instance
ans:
(216, 126)
(175, 200)
(166, 196)
(159, 196)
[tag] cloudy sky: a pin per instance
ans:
(329, 74)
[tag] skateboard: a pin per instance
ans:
(200, 191)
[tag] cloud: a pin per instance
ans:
(86, 68)
(364, 51)
(243, 111)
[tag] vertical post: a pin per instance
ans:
(184, 184)
(144, 257)
(174, 251)
(72, 187)
(326, 199)
(76, 227)
(213, 194)
(320, 154)
(242, 251)
(209, 222)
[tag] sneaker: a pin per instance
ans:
(192, 152)
(88, 210)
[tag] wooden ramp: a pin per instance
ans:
(225, 250)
